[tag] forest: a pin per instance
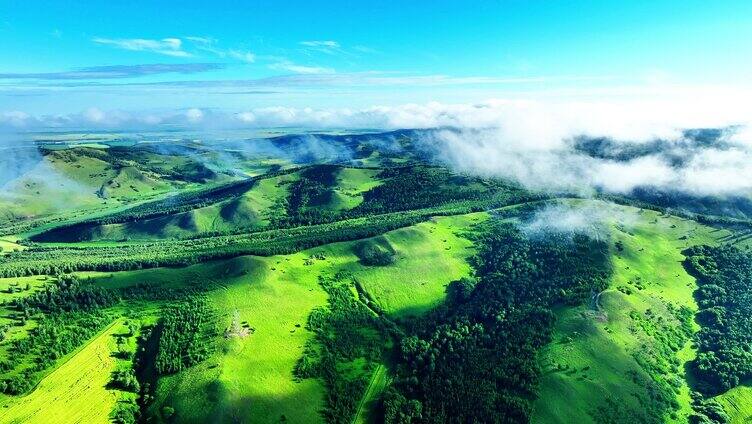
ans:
(473, 359)
(724, 296)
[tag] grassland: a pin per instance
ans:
(72, 182)
(612, 359)
(8, 244)
(369, 403)
(76, 391)
(428, 257)
(255, 209)
(351, 184)
(737, 403)
(251, 378)
(605, 355)
(15, 288)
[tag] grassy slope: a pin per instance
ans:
(251, 378)
(46, 189)
(351, 184)
(75, 391)
(737, 403)
(652, 252)
(15, 331)
(65, 185)
(252, 209)
(369, 403)
(429, 256)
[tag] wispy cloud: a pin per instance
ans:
(289, 66)
(364, 49)
(334, 48)
(118, 71)
(209, 45)
(242, 55)
(330, 44)
(166, 46)
(323, 46)
(309, 76)
(201, 40)
(315, 76)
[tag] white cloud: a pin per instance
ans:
(176, 47)
(194, 115)
(324, 43)
(201, 40)
(166, 46)
(364, 49)
(94, 115)
(524, 140)
(244, 56)
(286, 65)
(15, 119)
(322, 46)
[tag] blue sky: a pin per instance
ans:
(60, 57)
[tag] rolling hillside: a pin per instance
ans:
(347, 280)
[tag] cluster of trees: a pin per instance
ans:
(724, 295)
(307, 195)
(67, 294)
(179, 203)
(378, 252)
(186, 333)
(346, 331)
(474, 358)
(126, 380)
(126, 411)
(67, 313)
(183, 202)
(415, 187)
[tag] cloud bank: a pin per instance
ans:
(580, 146)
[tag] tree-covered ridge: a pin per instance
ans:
(724, 296)
(415, 187)
(176, 204)
(308, 194)
(474, 360)
(39, 259)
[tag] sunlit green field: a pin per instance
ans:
(250, 377)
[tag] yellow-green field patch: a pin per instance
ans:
(75, 392)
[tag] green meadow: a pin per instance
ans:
(250, 377)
